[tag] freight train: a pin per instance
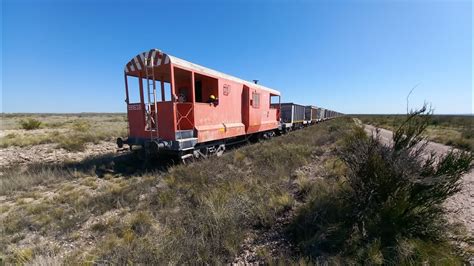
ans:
(179, 108)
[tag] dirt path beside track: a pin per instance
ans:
(461, 205)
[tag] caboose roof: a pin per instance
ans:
(136, 65)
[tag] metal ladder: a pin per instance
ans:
(151, 92)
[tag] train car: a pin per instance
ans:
(319, 114)
(292, 116)
(178, 107)
(322, 114)
(307, 115)
(328, 114)
(311, 114)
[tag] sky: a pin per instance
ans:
(348, 56)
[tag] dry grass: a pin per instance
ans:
(114, 211)
(197, 213)
(70, 132)
(16, 179)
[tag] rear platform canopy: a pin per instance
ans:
(137, 64)
(161, 63)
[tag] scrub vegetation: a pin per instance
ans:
(346, 199)
(199, 212)
(68, 131)
(30, 124)
(453, 130)
(387, 207)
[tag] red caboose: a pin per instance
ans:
(190, 110)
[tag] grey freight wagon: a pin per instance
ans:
(322, 114)
(311, 114)
(292, 115)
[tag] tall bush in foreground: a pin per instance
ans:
(388, 209)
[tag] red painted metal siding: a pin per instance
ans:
(166, 122)
(185, 116)
(222, 120)
(260, 116)
(136, 119)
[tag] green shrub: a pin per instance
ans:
(468, 133)
(391, 198)
(81, 126)
(461, 144)
(74, 142)
(30, 124)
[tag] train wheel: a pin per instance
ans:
(220, 150)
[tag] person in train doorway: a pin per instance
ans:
(213, 99)
(182, 97)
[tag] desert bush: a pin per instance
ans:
(81, 126)
(388, 209)
(75, 142)
(468, 132)
(30, 124)
(461, 144)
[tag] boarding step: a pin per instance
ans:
(184, 134)
(184, 144)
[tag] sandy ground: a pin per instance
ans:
(461, 205)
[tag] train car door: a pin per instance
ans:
(245, 107)
(251, 109)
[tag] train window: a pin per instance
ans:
(182, 81)
(204, 88)
(274, 101)
(167, 91)
(133, 89)
(255, 100)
